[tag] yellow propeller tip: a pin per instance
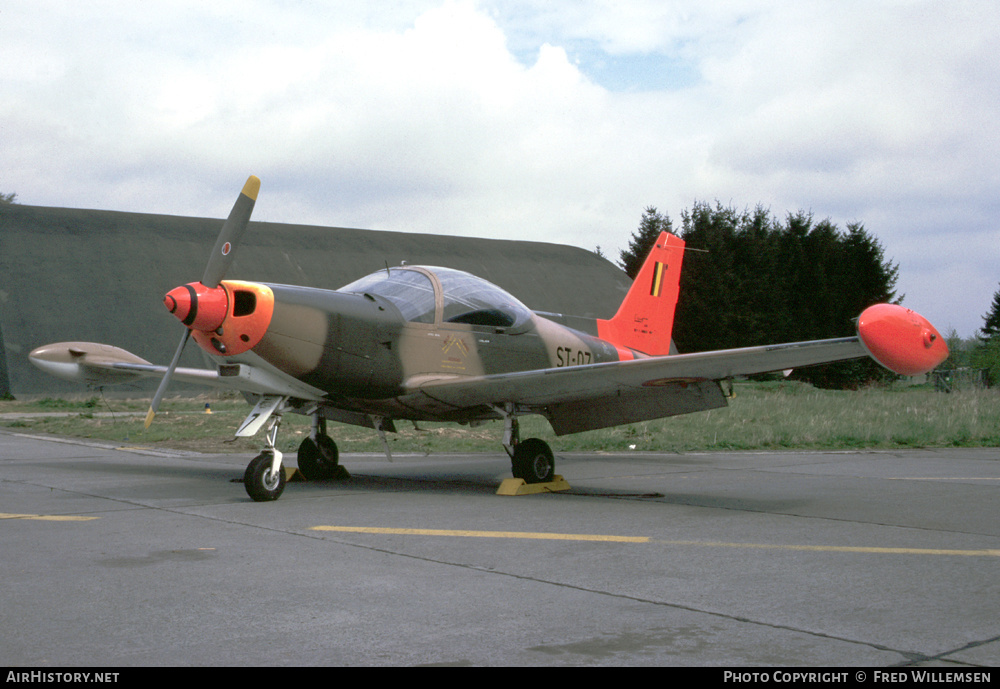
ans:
(149, 416)
(252, 187)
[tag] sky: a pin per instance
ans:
(556, 121)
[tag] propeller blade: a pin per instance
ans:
(218, 264)
(236, 224)
(155, 404)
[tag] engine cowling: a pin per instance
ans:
(228, 319)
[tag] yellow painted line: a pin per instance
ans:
(458, 533)
(841, 548)
(483, 534)
(944, 478)
(47, 517)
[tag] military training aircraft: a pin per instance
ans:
(428, 343)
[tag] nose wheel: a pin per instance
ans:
(264, 479)
(264, 482)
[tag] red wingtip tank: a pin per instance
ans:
(900, 339)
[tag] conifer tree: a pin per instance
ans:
(991, 321)
(643, 239)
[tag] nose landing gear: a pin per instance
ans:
(264, 479)
(318, 458)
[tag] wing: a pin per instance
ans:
(580, 398)
(100, 364)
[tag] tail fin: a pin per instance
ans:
(645, 319)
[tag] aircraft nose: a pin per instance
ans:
(229, 319)
(197, 306)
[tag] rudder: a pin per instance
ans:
(645, 319)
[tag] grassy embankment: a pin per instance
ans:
(762, 416)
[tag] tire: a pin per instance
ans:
(261, 485)
(533, 461)
(318, 461)
(328, 449)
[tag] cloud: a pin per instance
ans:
(557, 121)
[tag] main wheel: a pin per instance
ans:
(328, 448)
(318, 459)
(261, 483)
(533, 461)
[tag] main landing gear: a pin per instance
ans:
(318, 457)
(530, 460)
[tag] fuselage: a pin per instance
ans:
(366, 344)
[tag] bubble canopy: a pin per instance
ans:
(425, 294)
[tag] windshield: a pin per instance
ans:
(410, 291)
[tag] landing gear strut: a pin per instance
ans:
(530, 460)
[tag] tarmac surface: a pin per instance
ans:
(132, 557)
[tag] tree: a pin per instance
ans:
(987, 356)
(7, 199)
(750, 279)
(985, 353)
(715, 281)
(958, 352)
(991, 326)
(858, 275)
(643, 239)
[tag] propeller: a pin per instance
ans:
(236, 225)
(155, 404)
(183, 301)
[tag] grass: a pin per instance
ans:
(761, 416)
